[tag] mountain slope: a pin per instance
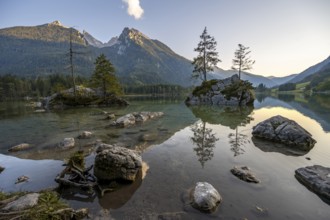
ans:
(311, 70)
(254, 79)
(44, 49)
(282, 80)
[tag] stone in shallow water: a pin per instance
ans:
(67, 143)
(316, 178)
(20, 147)
(244, 174)
(286, 131)
(205, 197)
(115, 162)
(24, 202)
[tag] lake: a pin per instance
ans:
(175, 159)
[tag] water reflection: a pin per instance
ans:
(204, 139)
(233, 117)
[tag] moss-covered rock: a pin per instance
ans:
(229, 91)
(81, 96)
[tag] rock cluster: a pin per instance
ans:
(283, 130)
(230, 91)
(114, 162)
(135, 117)
(205, 197)
(316, 178)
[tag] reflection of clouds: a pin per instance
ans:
(144, 169)
(204, 140)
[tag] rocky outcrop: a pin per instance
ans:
(230, 91)
(135, 117)
(82, 96)
(205, 197)
(114, 162)
(316, 178)
(244, 174)
(67, 143)
(20, 147)
(22, 203)
(283, 130)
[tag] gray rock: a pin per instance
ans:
(205, 197)
(283, 130)
(24, 202)
(316, 178)
(85, 135)
(20, 147)
(135, 117)
(244, 174)
(1, 169)
(117, 163)
(67, 143)
(226, 92)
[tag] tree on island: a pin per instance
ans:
(104, 77)
(242, 60)
(207, 57)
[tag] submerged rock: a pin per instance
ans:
(22, 179)
(230, 91)
(85, 135)
(244, 174)
(1, 169)
(116, 162)
(316, 178)
(286, 131)
(135, 117)
(20, 147)
(67, 143)
(22, 203)
(205, 197)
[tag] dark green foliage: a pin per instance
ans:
(105, 78)
(204, 88)
(160, 89)
(261, 88)
(287, 87)
(14, 87)
(77, 159)
(242, 61)
(237, 89)
(207, 57)
(319, 81)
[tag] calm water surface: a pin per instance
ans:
(176, 160)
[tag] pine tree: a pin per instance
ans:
(104, 77)
(207, 57)
(242, 60)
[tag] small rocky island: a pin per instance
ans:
(81, 96)
(230, 91)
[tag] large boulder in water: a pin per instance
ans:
(114, 162)
(230, 91)
(286, 131)
(316, 178)
(205, 197)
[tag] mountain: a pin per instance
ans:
(311, 70)
(282, 80)
(254, 79)
(44, 49)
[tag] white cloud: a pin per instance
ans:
(134, 9)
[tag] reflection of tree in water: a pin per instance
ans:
(232, 117)
(237, 141)
(204, 140)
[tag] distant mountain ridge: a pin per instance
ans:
(43, 49)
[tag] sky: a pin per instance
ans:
(284, 36)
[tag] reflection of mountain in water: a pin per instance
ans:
(316, 107)
(231, 117)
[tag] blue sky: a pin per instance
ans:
(285, 36)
